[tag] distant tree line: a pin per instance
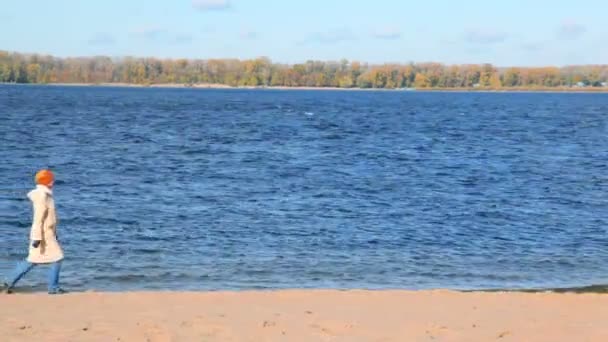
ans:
(31, 68)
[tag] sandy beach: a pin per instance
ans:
(304, 315)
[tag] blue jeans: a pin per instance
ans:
(25, 266)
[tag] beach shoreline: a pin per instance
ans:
(305, 315)
(214, 86)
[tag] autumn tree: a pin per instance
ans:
(422, 81)
(24, 68)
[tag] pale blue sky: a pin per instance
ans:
(515, 32)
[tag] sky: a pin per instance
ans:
(504, 33)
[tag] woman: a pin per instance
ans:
(44, 247)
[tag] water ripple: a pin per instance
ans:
(231, 189)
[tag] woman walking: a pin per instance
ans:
(44, 249)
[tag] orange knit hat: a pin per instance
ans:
(45, 177)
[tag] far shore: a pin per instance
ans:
(305, 315)
(224, 86)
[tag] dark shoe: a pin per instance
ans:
(5, 289)
(58, 292)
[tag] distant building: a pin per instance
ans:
(580, 84)
(604, 84)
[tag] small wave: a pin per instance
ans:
(583, 289)
(577, 289)
(14, 223)
(126, 278)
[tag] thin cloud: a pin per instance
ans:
(485, 37)
(387, 33)
(478, 50)
(102, 39)
(531, 47)
(570, 30)
(209, 29)
(448, 41)
(150, 32)
(330, 37)
(181, 38)
(162, 35)
(211, 5)
(249, 35)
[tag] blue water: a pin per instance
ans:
(255, 189)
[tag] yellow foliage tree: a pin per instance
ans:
(421, 81)
(495, 81)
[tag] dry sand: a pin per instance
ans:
(304, 316)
